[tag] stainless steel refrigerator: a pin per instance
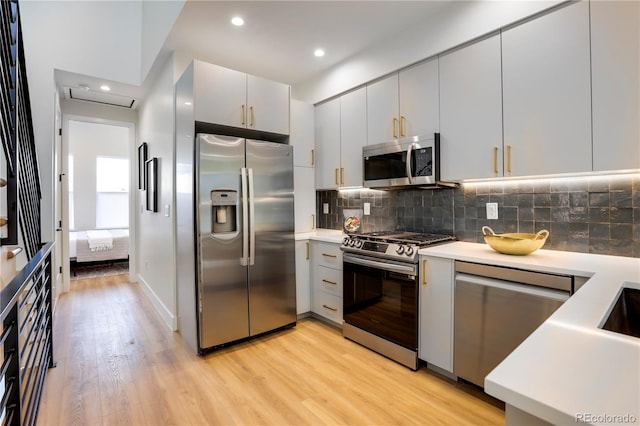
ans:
(236, 248)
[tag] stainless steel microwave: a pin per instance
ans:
(402, 163)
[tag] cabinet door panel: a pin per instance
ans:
(304, 192)
(268, 103)
(547, 95)
(436, 312)
(471, 111)
(327, 125)
(418, 95)
(303, 277)
(302, 134)
(353, 136)
(382, 110)
(219, 94)
(615, 61)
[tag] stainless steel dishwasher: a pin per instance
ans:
(495, 309)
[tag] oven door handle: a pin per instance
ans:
(392, 267)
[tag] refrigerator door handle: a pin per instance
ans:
(245, 217)
(252, 221)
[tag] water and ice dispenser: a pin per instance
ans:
(224, 210)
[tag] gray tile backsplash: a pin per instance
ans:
(597, 214)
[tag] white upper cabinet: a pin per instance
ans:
(353, 136)
(268, 103)
(615, 61)
(327, 131)
(304, 193)
(471, 111)
(232, 98)
(404, 103)
(419, 108)
(547, 95)
(219, 94)
(302, 134)
(382, 110)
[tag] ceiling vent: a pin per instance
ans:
(82, 94)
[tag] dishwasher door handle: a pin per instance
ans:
(513, 286)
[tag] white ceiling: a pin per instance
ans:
(279, 37)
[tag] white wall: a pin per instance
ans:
(155, 233)
(158, 18)
(87, 141)
(461, 22)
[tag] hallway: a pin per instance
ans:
(118, 364)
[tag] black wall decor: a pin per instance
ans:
(151, 176)
(142, 159)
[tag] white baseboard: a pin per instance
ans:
(169, 319)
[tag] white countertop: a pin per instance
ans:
(326, 235)
(568, 367)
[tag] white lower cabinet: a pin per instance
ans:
(303, 276)
(435, 340)
(326, 292)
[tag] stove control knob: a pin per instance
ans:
(351, 242)
(409, 251)
(345, 241)
(358, 243)
(400, 249)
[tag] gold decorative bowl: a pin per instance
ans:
(516, 244)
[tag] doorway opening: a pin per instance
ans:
(98, 168)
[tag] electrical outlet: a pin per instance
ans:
(367, 209)
(325, 208)
(167, 210)
(492, 210)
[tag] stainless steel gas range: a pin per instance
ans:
(380, 293)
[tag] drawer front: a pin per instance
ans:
(329, 306)
(330, 280)
(329, 255)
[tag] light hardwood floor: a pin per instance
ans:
(119, 364)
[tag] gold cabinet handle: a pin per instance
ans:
(329, 255)
(341, 176)
(329, 282)
(313, 157)
(395, 123)
(337, 181)
(509, 158)
(401, 125)
(424, 272)
(3, 183)
(244, 113)
(308, 254)
(330, 308)
(495, 159)
(251, 116)
(3, 221)
(313, 221)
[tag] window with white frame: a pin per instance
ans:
(112, 192)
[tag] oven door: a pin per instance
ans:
(381, 297)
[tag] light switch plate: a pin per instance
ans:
(367, 209)
(325, 208)
(492, 210)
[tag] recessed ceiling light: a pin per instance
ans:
(319, 53)
(188, 103)
(237, 21)
(105, 88)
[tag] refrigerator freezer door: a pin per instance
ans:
(272, 286)
(222, 280)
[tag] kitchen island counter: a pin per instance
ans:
(569, 370)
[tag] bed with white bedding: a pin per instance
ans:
(99, 245)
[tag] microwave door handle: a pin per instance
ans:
(408, 163)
